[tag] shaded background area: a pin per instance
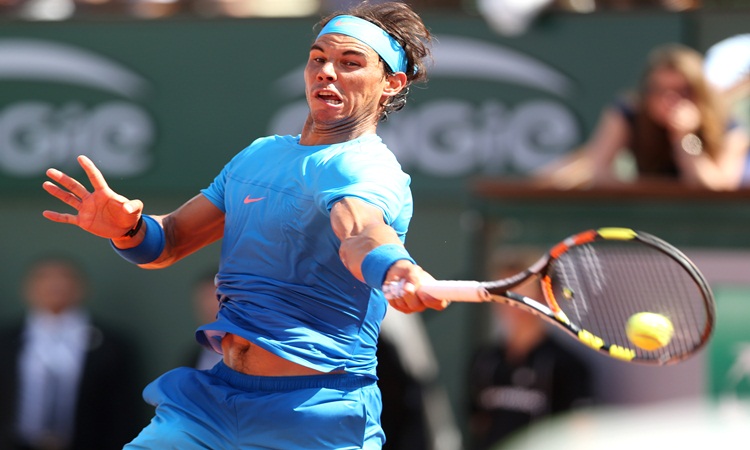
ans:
(188, 90)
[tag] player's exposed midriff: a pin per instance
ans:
(243, 356)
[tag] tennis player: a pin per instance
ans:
(312, 226)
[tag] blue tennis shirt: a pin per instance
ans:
(281, 277)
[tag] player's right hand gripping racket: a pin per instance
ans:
(595, 281)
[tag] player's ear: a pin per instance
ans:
(394, 84)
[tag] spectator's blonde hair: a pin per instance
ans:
(651, 139)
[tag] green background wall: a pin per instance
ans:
(212, 86)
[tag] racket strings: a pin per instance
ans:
(600, 285)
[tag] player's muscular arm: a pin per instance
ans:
(191, 227)
(105, 213)
(361, 228)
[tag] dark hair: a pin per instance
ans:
(58, 259)
(407, 28)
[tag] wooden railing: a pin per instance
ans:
(525, 213)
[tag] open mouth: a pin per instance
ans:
(329, 97)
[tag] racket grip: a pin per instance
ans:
(454, 290)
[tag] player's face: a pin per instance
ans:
(345, 84)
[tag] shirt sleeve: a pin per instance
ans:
(371, 175)
(215, 191)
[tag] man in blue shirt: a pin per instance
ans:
(311, 228)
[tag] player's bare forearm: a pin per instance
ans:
(355, 248)
(194, 225)
(103, 212)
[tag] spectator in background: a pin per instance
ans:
(515, 17)
(328, 6)
(523, 374)
(728, 66)
(205, 308)
(675, 127)
(66, 381)
(728, 69)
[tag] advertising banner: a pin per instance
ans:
(162, 105)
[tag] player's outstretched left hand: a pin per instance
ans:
(102, 212)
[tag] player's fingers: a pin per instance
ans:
(133, 206)
(61, 218)
(437, 304)
(433, 302)
(398, 306)
(425, 300)
(69, 183)
(63, 195)
(95, 176)
(411, 300)
(393, 289)
(407, 307)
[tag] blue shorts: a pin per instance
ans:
(222, 409)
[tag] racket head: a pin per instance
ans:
(597, 280)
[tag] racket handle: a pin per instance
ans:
(454, 290)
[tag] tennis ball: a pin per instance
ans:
(649, 331)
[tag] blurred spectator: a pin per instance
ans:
(205, 307)
(329, 6)
(523, 374)
(66, 381)
(669, 5)
(46, 9)
(510, 17)
(417, 414)
(255, 8)
(728, 68)
(10, 8)
(513, 17)
(675, 127)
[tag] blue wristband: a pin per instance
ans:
(151, 246)
(376, 263)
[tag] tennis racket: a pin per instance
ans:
(594, 282)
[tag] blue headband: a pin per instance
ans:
(372, 35)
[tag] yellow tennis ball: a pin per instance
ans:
(649, 331)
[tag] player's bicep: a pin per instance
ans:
(350, 216)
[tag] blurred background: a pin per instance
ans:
(162, 93)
